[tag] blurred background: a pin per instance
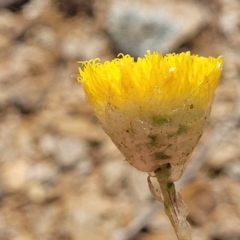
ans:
(61, 178)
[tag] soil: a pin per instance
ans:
(61, 177)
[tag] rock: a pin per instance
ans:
(28, 59)
(42, 173)
(76, 46)
(232, 169)
(73, 7)
(161, 26)
(137, 179)
(229, 21)
(28, 96)
(4, 42)
(9, 22)
(229, 236)
(67, 151)
(13, 5)
(114, 174)
(36, 193)
(221, 226)
(42, 36)
(77, 127)
(26, 103)
(200, 200)
(14, 176)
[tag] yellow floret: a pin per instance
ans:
(152, 82)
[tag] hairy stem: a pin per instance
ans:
(174, 207)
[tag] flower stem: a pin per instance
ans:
(174, 206)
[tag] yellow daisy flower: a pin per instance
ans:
(154, 109)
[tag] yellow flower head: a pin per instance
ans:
(154, 109)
